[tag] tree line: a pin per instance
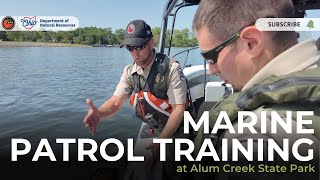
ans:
(95, 36)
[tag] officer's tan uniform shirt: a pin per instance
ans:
(177, 88)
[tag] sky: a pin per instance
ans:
(113, 14)
(100, 13)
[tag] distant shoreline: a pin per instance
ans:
(52, 44)
(38, 44)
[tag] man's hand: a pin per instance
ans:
(92, 118)
(155, 150)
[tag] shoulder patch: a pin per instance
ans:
(182, 77)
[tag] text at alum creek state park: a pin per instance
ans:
(261, 168)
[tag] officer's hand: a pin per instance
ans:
(155, 150)
(92, 118)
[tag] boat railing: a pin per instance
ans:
(187, 55)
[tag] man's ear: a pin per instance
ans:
(254, 40)
(152, 42)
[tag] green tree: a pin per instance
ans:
(3, 36)
(94, 35)
(156, 35)
(16, 36)
(119, 35)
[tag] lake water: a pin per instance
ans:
(43, 92)
(42, 95)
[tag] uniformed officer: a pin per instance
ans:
(157, 85)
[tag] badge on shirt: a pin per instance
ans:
(181, 75)
(159, 79)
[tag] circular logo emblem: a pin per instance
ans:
(8, 23)
(131, 29)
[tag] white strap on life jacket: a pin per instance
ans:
(135, 102)
(145, 94)
(164, 105)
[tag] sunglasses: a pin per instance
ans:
(212, 55)
(137, 48)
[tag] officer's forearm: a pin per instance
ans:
(173, 122)
(111, 107)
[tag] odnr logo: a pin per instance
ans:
(28, 22)
(8, 23)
